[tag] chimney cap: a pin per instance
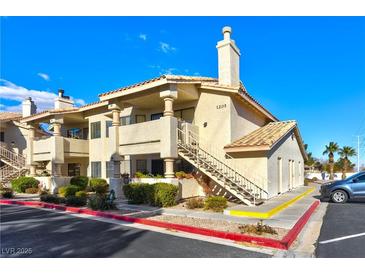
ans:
(227, 32)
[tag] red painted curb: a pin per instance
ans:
(279, 244)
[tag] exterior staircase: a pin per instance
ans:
(219, 168)
(14, 165)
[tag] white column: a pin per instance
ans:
(29, 160)
(169, 167)
(169, 156)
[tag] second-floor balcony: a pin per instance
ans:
(51, 147)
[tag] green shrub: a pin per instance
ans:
(51, 198)
(67, 191)
(180, 174)
(100, 202)
(6, 193)
(81, 194)
(164, 194)
(258, 229)
(22, 183)
(138, 193)
(195, 203)
(32, 190)
(100, 186)
(216, 203)
(159, 194)
(75, 201)
(80, 181)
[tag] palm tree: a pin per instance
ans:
(346, 152)
(330, 150)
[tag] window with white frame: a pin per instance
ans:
(95, 169)
(95, 130)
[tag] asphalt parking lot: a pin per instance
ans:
(48, 234)
(343, 231)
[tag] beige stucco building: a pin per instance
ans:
(172, 123)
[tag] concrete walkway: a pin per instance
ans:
(273, 202)
(284, 219)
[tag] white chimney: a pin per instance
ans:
(228, 60)
(28, 107)
(62, 101)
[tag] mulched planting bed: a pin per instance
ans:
(219, 225)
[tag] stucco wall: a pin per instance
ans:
(214, 110)
(15, 132)
(99, 148)
(244, 119)
(287, 149)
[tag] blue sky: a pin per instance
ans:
(311, 69)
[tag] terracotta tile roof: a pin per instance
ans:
(10, 116)
(165, 76)
(266, 136)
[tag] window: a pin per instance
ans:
(108, 124)
(140, 118)
(95, 130)
(95, 169)
(73, 170)
(141, 166)
(125, 120)
(156, 116)
(361, 178)
(186, 114)
(109, 169)
(2, 136)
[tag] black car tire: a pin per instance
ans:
(339, 197)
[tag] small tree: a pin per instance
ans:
(346, 152)
(330, 150)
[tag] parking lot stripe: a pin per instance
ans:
(342, 238)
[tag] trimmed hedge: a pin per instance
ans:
(216, 203)
(75, 201)
(6, 193)
(164, 194)
(80, 181)
(22, 183)
(100, 186)
(67, 191)
(51, 198)
(99, 202)
(138, 193)
(81, 194)
(159, 194)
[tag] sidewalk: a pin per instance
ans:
(283, 219)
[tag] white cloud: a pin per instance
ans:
(43, 99)
(143, 36)
(166, 48)
(162, 70)
(44, 76)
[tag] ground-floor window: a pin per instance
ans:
(141, 166)
(109, 169)
(96, 169)
(74, 170)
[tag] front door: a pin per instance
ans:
(358, 186)
(157, 167)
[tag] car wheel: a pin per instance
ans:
(339, 196)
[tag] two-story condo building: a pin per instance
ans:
(172, 123)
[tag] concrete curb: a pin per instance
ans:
(270, 213)
(261, 241)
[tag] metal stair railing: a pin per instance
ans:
(14, 159)
(189, 141)
(228, 160)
